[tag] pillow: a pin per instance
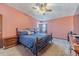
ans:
(31, 32)
(26, 32)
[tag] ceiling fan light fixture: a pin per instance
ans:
(42, 8)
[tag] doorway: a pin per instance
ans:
(1, 41)
(42, 27)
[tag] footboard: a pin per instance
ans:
(41, 43)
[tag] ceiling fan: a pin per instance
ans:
(42, 8)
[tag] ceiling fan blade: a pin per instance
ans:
(49, 10)
(45, 4)
(34, 7)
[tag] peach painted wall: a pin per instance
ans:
(76, 21)
(13, 19)
(76, 24)
(60, 27)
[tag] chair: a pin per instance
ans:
(73, 45)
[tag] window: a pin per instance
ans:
(42, 26)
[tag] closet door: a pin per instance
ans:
(1, 41)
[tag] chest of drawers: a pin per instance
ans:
(10, 42)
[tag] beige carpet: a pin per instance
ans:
(50, 50)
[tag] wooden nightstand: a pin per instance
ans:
(10, 42)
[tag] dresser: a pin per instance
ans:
(10, 42)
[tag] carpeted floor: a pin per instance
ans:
(52, 50)
(58, 48)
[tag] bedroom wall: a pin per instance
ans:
(76, 21)
(13, 19)
(76, 24)
(60, 27)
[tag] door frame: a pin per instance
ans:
(1, 40)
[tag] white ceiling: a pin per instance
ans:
(59, 10)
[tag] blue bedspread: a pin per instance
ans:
(29, 40)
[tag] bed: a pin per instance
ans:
(35, 41)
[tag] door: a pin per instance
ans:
(1, 41)
(42, 27)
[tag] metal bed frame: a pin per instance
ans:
(36, 44)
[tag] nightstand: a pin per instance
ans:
(10, 42)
